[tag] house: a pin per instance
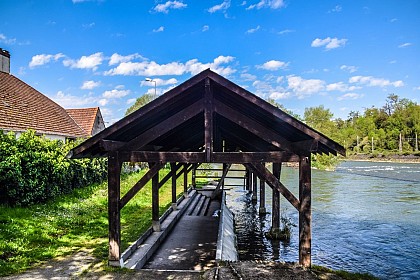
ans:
(22, 107)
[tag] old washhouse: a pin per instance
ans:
(208, 119)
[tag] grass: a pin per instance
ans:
(32, 235)
(344, 274)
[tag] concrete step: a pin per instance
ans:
(205, 207)
(200, 204)
(193, 204)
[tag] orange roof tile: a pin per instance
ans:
(84, 117)
(23, 107)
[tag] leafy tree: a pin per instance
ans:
(140, 102)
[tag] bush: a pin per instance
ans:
(34, 169)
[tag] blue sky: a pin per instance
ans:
(345, 55)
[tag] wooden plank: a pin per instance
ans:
(262, 210)
(254, 157)
(305, 215)
(185, 179)
(208, 120)
(275, 216)
(254, 127)
(140, 184)
(164, 126)
(155, 201)
(184, 157)
(174, 169)
(114, 222)
(273, 182)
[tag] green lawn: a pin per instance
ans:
(37, 233)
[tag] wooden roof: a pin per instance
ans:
(23, 107)
(200, 121)
(85, 118)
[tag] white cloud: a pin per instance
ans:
(272, 4)
(273, 65)
(302, 87)
(350, 96)
(41, 59)
(205, 28)
(90, 85)
(375, 82)
(329, 43)
(159, 82)
(221, 7)
(131, 101)
(88, 25)
(336, 9)
(349, 68)
(160, 29)
(248, 77)
(72, 101)
(151, 68)
(117, 92)
(117, 58)
(103, 101)
(85, 62)
(7, 41)
(404, 45)
(280, 95)
(253, 30)
(286, 31)
(164, 8)
(340, 86)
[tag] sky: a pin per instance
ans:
(343, 55)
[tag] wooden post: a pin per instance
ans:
(193, 174)
(173, 171)
(262, 209)
(225, 167)
(185, 180)
(400, 144)
(275, 212)
(417, 143)
(155, 203)
(114, 222)
(305, 215)
(247, 179)
(254, 187)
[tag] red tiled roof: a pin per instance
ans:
(84, 117)
(23, 107)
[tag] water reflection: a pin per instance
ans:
(366, 218)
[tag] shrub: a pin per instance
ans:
(34, 169)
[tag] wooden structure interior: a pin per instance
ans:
(209, 119)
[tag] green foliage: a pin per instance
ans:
(75, 221)
(140, 102)
(34, 169)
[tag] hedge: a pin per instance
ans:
(34, 169)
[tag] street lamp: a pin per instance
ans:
(152, 80)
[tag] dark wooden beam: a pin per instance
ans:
(140, 184)
(275, 216)
(208, 120)
(186, 179)
(254, 157)
(110, 145)
(254, 127)
(221, 182)
(164, 126)
(139, 156)
(305, 215)
(155, 200)
(176, 167)
(114, 220)
(262, 210)
(273, 182)
(254, 187)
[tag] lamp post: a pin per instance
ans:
(152, 80)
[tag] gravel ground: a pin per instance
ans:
(83, 265)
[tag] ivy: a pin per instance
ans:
(34, 169)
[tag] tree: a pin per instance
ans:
(140, 102)
(320, 119)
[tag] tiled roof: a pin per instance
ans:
(84, 117)
(23, 107)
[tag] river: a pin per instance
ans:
(365, 218)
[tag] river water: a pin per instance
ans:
(365, 218)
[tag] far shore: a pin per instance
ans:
(395, 158)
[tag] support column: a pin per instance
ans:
(173, 171)
(275, 213)
(262, 209)
(193, 174)
(185, 180)
(155, 203)
(254, 187)
(305, 215)
(247, 179)
(114, 221)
